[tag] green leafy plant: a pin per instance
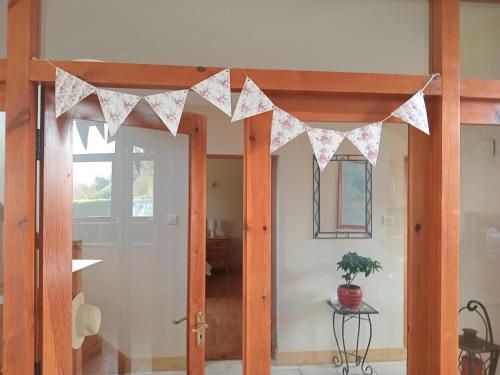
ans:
(352, 264)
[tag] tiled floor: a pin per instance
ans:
(235, 368)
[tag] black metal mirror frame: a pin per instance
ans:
(317, 232)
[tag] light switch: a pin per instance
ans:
(172, 219)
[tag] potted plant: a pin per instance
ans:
(350, 295)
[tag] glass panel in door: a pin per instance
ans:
(131, 213)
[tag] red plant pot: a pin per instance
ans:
(350, 296)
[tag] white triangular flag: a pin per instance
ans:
(367, 140)
(414, 112)
(100, 128)
(83, 132)
(169, 106)
(284, 128)
(324, 143)
(252, 101)
(116, 106)
(217, 90)
(69, 91)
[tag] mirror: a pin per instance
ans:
(342, 198)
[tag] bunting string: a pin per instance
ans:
(252, 101)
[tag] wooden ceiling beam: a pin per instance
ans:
(146, 76)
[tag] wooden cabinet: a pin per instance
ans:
(218, 253)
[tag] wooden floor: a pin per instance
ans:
(224, 315)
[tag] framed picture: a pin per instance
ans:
(342, 198)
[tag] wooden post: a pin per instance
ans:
(23, 38)
(257, 246)
(434, 203)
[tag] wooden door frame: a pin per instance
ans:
(56, 227)
(335, 96)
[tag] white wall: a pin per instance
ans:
(307, 273)
(354, 35)
(225, 203)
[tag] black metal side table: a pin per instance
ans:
(475, 348)
(362, 314)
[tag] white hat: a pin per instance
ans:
(86, 320)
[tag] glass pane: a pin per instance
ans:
(140, 285)
(306, 268)
(2, 169)
(341, 35)
(480, 30)
(143, 189)
(224, 286)
(479, 241)
(92, 189)
(3, 28)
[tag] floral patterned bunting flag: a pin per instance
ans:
(116, 106)
(217, 90)
(324, 143)
(252, 101)
(367, 140)
(69, 91)
(285, 127)
(414, 112)
(169, 106)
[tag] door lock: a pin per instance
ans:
(199, 329)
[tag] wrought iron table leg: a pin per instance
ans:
(336, 361)
(345, 370)
(367, 369)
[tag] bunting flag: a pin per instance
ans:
(252, 101)
(324, 143)
(217, 90)
(367, 140)
(169, 106)
(83, 132)
(116, 106)
(414, 112)
(284, 128)
(69, 91)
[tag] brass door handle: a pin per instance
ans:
(199, 329)
(179, 321)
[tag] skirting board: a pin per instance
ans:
(282, 359)
(321, 357)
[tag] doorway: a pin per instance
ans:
(224, 257)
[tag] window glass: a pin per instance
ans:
(384, 36)
(479, 33)
(143, 188)
(3, 28)
(307, 277)
(2, 169)
(92, 189)
(139, 287)
(479, 244)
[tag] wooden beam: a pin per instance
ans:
(271, 81)
(3, 70)
(56, 196)
(23, 37)
(2, 97)
(480, 112)
(257, 246)
(434, 203)
(488, 89)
